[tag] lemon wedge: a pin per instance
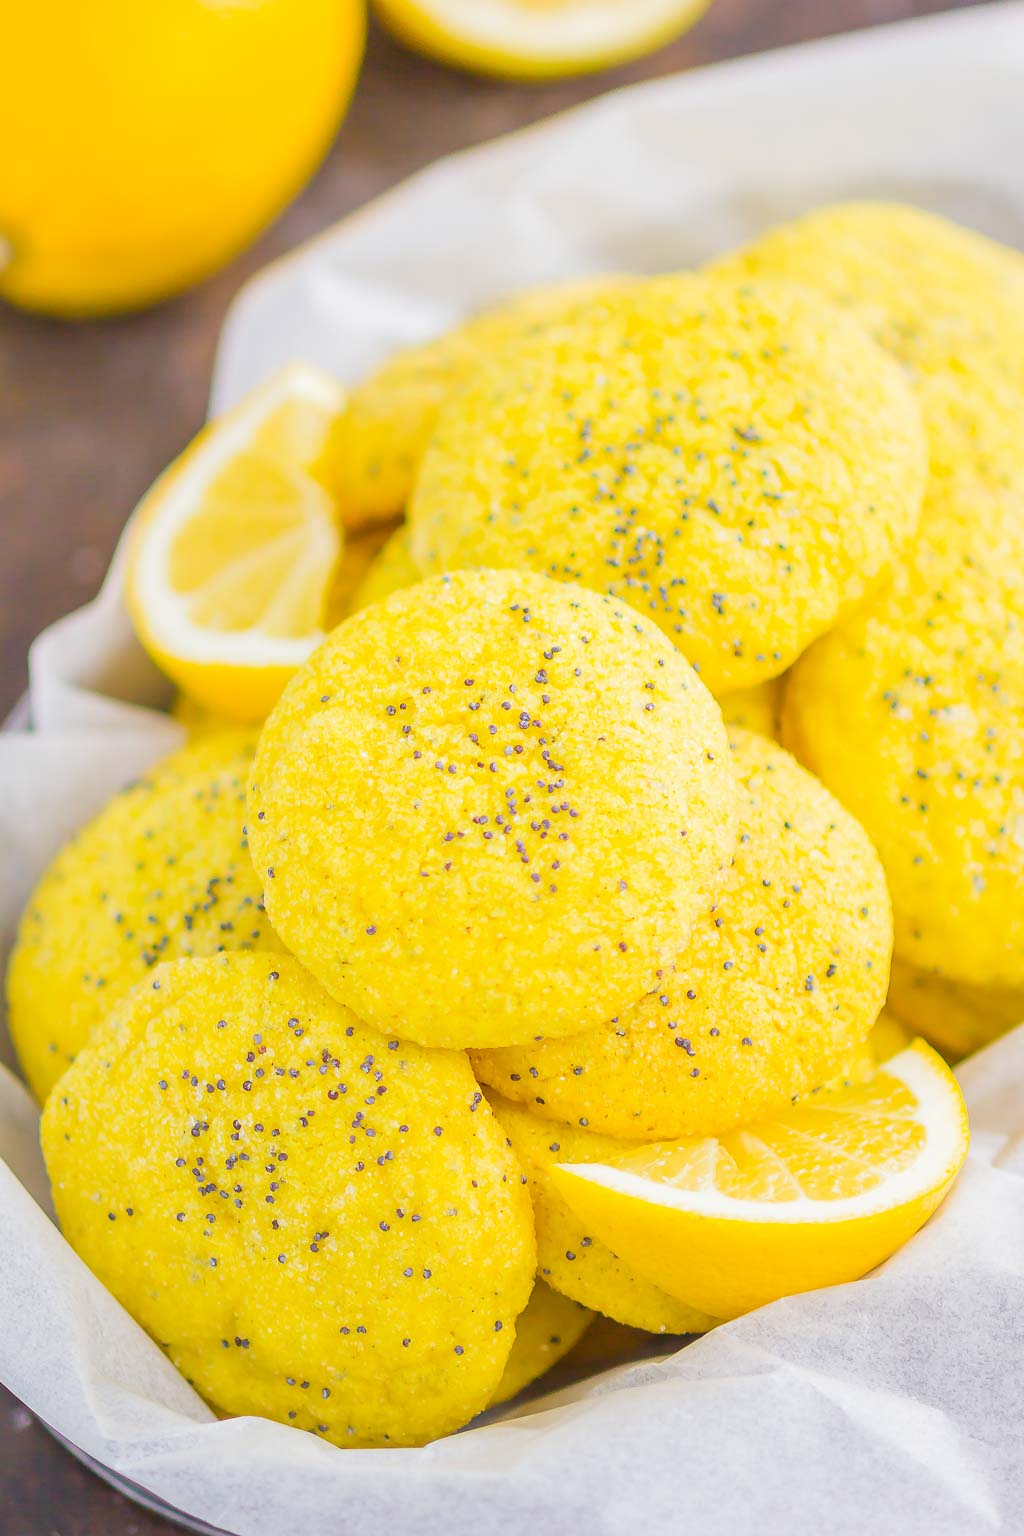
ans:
(813, 1197)
(231, 553)
(537, 39)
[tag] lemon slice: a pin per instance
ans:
(814, 1197)
(537, 39)
(232, 551)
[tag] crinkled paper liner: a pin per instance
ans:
(895, 1404)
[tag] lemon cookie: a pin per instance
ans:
(318, 1225)
(550, 1326)
(163, 871)
(913, 715)
(741, 462)
(489, 808)
(948, 303)
(375, 448)
(911, 712)
(570, 1259)
(773, 994)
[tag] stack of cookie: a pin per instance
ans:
(514, 971)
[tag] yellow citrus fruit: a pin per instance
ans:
(816, 1196)
(572, 1259)
(232, 551)
(537, 39)
(147, 144)
(356, 570)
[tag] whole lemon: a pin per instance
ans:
(147, 144)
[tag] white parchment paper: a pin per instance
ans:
(892, 1405)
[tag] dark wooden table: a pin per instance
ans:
(89, 414)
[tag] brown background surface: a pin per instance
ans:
(89, 414)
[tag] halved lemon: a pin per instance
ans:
(232, 551)
(537, 39)
(814, 1197)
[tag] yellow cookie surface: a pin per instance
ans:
(958, 1020)
(392, 570)
(488, 807)
(740, 461)
(376, 446)
(572, 1261)
(912, 710)
(948, 303)
(163, 871)
(319, 1225)
(550, 1326)
(913, 715)
(773, 994)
